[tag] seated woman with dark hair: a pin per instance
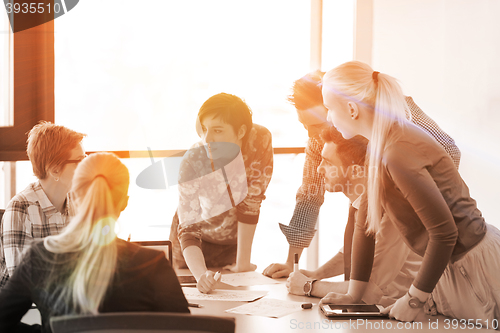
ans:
(222, 181)
(86, 269)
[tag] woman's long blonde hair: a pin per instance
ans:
(100, 185)
(381, 94)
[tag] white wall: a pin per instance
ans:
(446, 53)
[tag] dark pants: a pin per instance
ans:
(216, 255)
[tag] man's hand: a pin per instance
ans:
(277, 271)
(235, 268)
(295, 283)
(207, 282)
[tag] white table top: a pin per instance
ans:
(312, 320)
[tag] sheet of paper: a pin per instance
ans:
(268, 307)
(247, 279)
(192, 294)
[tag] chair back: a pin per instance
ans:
(136, 322)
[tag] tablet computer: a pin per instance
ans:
(352, 310)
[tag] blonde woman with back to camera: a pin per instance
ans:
(86, 269)
(413, 179)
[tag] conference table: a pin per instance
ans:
(312, 320)
(307, 320)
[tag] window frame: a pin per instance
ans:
(33, 88)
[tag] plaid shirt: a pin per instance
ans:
(29, 215)
(310, 196)
(419, 118)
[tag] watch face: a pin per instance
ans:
(415, 303)
(307, 286)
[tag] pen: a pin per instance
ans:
(296, 263)
(194, 305)
(217, 276)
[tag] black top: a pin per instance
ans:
(143, 281)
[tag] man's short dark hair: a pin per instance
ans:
(350, 152)
(306, 91)
(231, 109)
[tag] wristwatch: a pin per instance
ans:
(308, 287)
(414, 302)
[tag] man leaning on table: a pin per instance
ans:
(394, 267)
(308, 101)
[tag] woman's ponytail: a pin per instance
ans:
(100, 184)
(379, 92)
(389, 108)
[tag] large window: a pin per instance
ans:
(133, 75)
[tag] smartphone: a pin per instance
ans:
(352, 310)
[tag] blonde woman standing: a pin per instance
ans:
(413, 179)
(87, 269)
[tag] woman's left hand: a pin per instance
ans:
(401, 310)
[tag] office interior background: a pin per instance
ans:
(132, 76)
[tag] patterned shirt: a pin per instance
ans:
(419, 118)
(310, 195)
(29, 215)
(219, 222)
